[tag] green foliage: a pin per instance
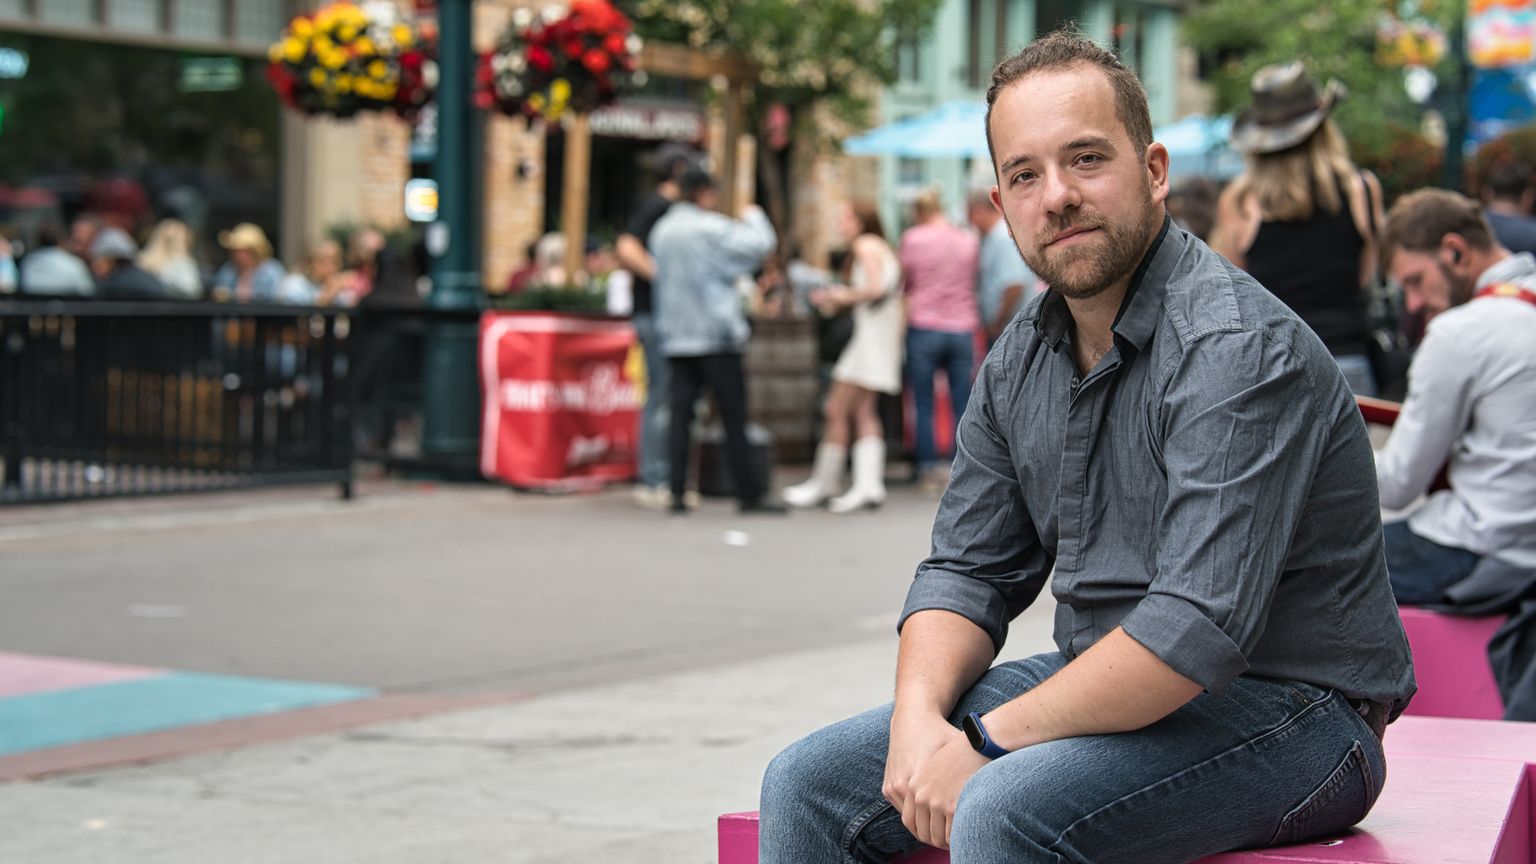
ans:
(555, 298)
(830, 52)
(1335, 39)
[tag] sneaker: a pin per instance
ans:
(652, 497)
(763, 506)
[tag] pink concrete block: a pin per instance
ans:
(1450, 660)
(1457, 792)
(26, 673)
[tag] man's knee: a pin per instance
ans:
(799, 769)
(999, 820)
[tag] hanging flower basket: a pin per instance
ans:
(577, 58)
(345, 58)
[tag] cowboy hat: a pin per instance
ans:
(1287, 108)
(246, 236)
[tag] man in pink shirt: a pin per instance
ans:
(939, 262)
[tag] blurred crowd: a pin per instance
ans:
(96, 258)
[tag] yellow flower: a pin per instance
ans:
(317, 78)
(303, 27)
(364, 45)
(378, 69)
(333, 59)
(560, 91)
(322, 43)
(346, 33)
(343, 83)
(293, 50)
(275, 53)
(385, 92)
(536, 102)
(402, 34)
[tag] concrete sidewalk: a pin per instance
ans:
(634, 772)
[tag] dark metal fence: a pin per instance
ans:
(100, 399)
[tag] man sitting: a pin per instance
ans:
(1471, 398)
(1179, 453)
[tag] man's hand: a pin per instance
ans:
(929, 811)
(915, 737)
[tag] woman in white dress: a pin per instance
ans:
(869, 365)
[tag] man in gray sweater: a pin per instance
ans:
(700, 254)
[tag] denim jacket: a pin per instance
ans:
(699, 256)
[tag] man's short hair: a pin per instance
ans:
(694, 181)
(1507, 179)
(1420, 220)
(1066, 49)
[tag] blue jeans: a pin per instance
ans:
(1272, 762)
(928, 351)
(656, 415)
(1357, 373)
(1421, 569)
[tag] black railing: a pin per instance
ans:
(100, 399)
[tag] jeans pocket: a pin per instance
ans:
(1341, 801)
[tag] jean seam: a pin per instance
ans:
(856, 827)
(1283, 730)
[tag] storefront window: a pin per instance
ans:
(80, 12)
(133, 135)
(12, 8)
(257, 20)
(138, 16)
(203, 20)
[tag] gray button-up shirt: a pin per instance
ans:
(1208, 486)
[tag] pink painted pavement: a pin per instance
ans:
(22, 674)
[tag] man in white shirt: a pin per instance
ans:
(1471, 402)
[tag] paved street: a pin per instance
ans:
(641, 669)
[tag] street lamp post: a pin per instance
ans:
(1456, 102)
(450, 399)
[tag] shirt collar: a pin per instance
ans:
(1139, 311)
(1515, 268)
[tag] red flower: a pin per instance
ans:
(540, 59)
(595, 60)
(614, 44)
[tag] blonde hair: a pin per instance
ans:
(171, 239)
(1292, 184)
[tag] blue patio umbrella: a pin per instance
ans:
(954, 129)
(1199, 146)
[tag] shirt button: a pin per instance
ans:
(1075, 382)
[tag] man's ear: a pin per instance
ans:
(1453, 249)
(1157, 171)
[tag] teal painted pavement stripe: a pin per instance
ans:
(35, 721)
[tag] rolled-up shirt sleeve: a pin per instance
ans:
(1242, 438)
(987, 563)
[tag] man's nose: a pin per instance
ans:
(1061, 192)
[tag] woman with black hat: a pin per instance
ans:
(1302, 218)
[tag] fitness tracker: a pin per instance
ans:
(981, 742)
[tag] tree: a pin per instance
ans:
(835, 53)
(1336, 39)
(812, 55)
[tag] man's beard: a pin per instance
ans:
(1115, 257)
(1461, 288)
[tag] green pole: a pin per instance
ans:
(1456, 105)
(451, 398)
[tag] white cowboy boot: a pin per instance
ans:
(868, 489)
(826, 477)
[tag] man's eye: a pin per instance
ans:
(1090, 158)
(1022, 176)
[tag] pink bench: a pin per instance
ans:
(1450, 660)
(1457, 792)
